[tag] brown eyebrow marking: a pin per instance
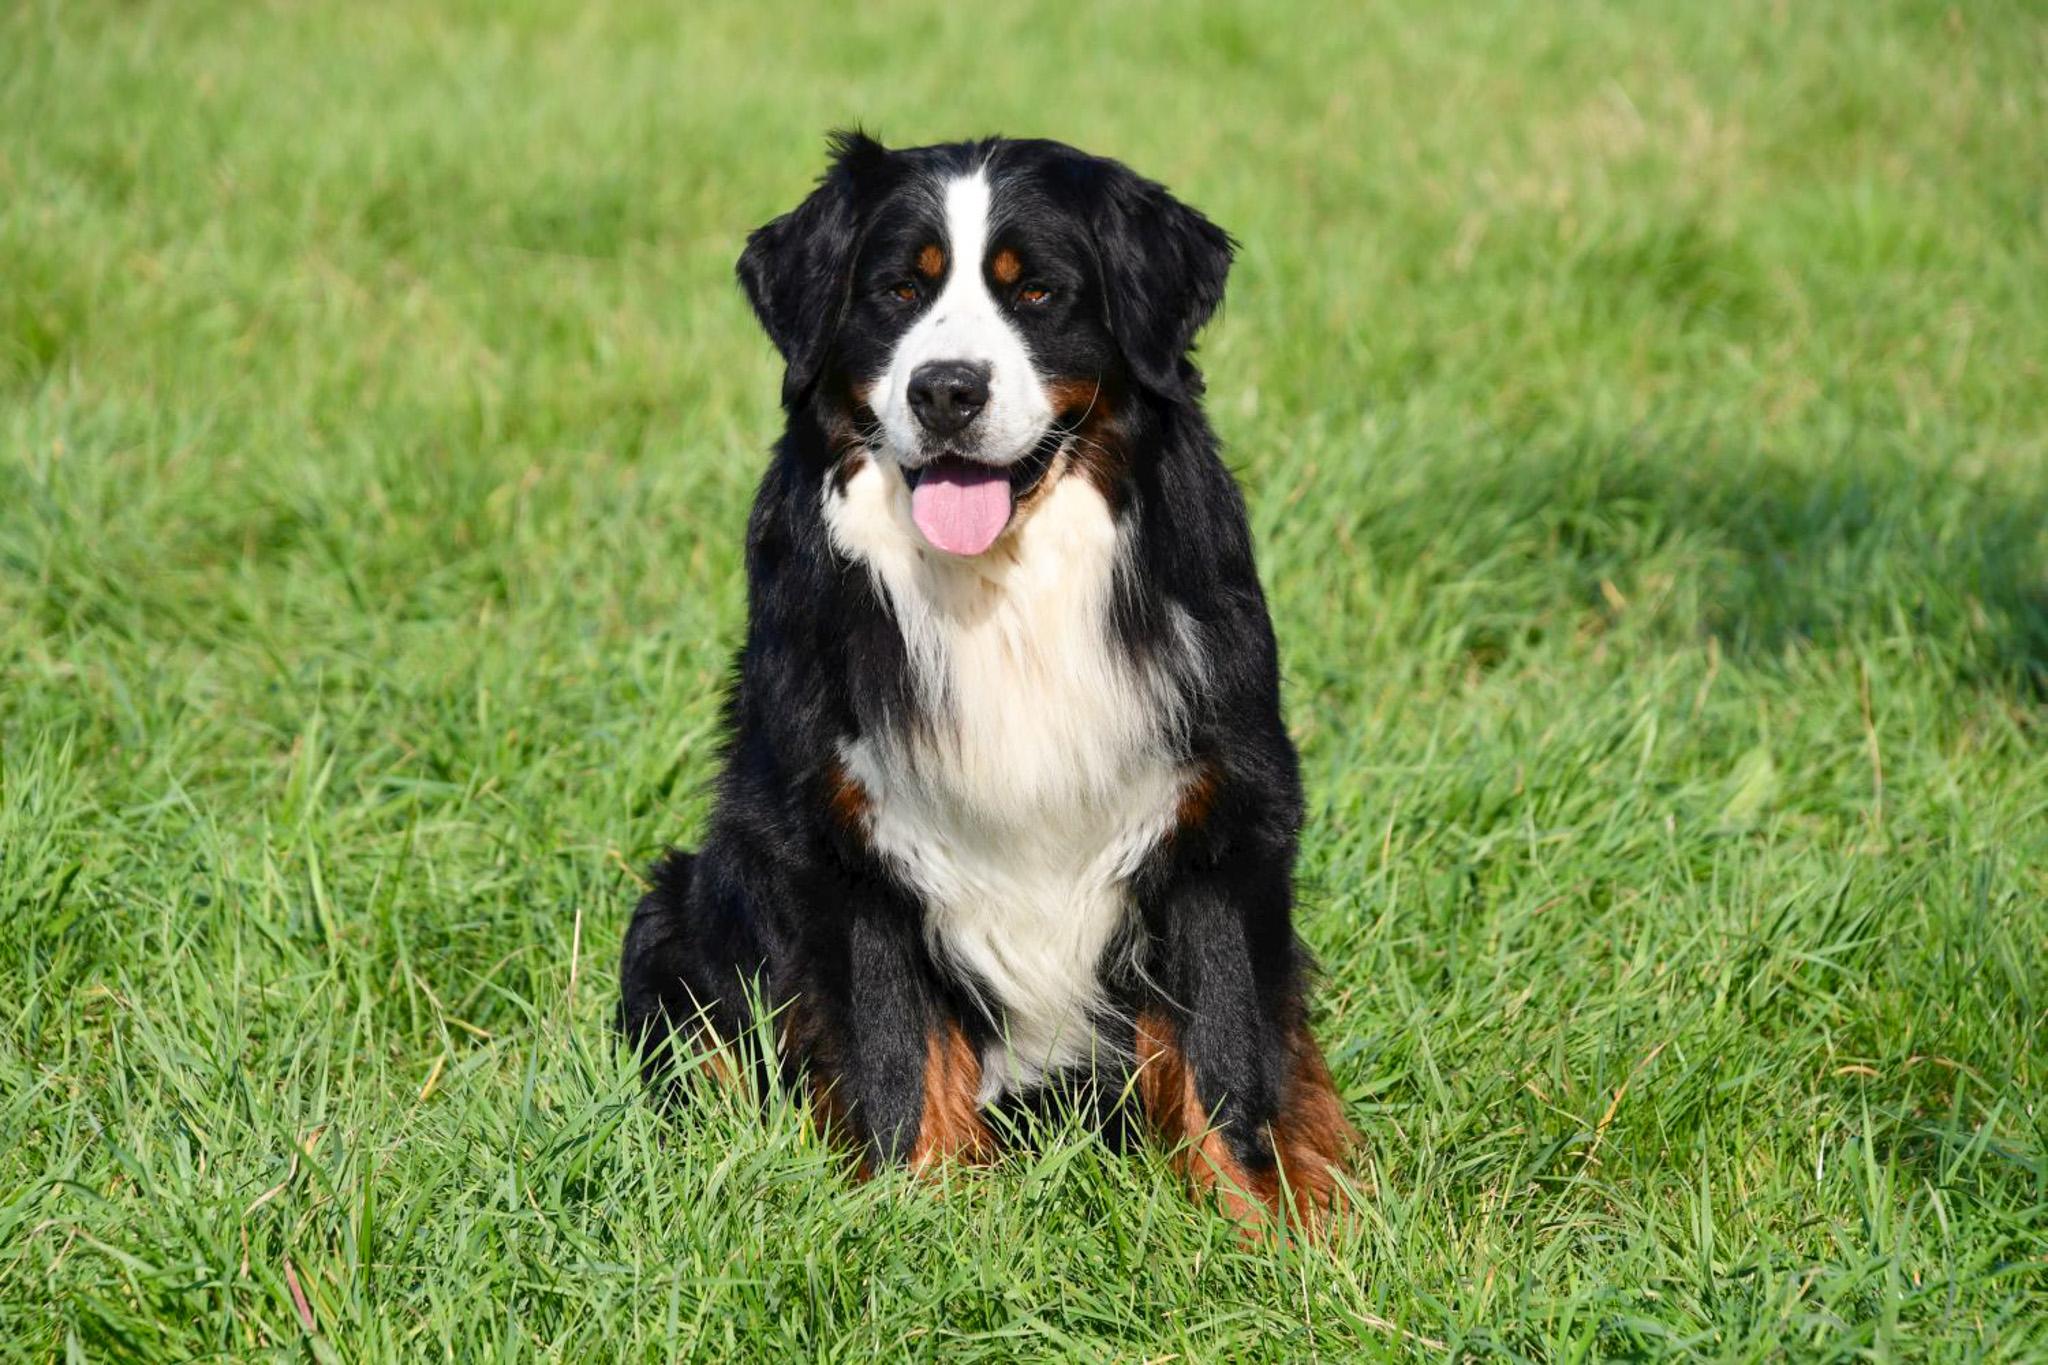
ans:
(1006, 267)
(931, 262)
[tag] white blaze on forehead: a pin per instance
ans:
(967, 323)
(967, 203)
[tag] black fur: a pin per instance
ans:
(785, 895)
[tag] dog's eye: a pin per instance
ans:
(903, 291)
(1034, 294)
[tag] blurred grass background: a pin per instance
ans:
(1642, 411)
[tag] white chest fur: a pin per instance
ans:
(1045, 776)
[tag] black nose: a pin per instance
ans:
(946, 394)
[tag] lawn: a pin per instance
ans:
(1644, 415)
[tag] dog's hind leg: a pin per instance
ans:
(683, 985)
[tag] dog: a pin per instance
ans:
(1007, 810)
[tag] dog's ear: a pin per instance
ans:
(797, 269)
(1163, 269)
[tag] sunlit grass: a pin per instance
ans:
(1646, 429)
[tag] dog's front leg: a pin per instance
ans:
(899, 1079)
(1227, 1071)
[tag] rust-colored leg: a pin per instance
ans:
(950, 1127)
(1309, 1135)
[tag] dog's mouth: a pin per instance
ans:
(962, 506)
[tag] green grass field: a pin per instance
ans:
(1644, 414)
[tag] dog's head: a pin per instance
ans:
(962, 311)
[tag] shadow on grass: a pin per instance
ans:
(1758, 551)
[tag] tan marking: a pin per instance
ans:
(832, 1123)
(849, 464)
(1037, 493)
(931, 262)
(849, 800)
(803, 1046)
(697, 1047)
(1310, 1135)
(951, 1127)
(1073, 394)
(1196, 799)
(843, 425)
(843, 420)
(1166, 1090)
(1096, 439)
(714, 1057)
(1006, 267)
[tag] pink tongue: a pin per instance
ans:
(961, 507)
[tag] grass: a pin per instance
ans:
(1644, 418)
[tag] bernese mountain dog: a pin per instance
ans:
(1007, 810)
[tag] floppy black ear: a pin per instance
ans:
(1163, 267)
(796, 270)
